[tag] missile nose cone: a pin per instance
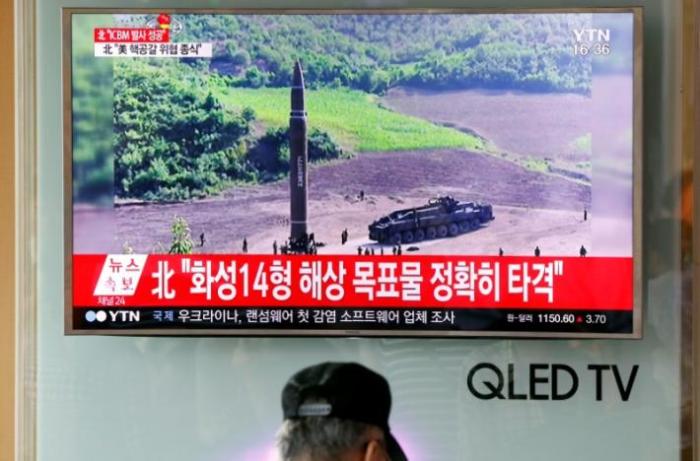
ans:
(298, 92)
(298, 78)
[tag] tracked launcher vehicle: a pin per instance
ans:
(442, 217)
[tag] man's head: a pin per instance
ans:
(337, 412)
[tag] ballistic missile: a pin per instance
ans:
(298, 159)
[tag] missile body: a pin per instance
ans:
(298, 159)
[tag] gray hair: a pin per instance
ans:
(320, 438)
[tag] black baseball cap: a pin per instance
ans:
(345, 391)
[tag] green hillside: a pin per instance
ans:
(354, 118)
(375, 52)
(188, 129)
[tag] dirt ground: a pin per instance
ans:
(530, 208)
(529, 124)
(556, 232)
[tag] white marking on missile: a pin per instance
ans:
(300, 172)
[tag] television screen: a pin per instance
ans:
(384, 173)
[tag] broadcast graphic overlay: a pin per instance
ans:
(395, 173)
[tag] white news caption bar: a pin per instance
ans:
(153, 50)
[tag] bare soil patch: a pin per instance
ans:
(531, 208)
(541, 125)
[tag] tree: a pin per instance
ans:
(237, 56)
(255, 77)
(173, 139)
(182, 238)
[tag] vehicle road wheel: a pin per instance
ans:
(464, 226)
(442, 231)
(419, 235)
(430, 233)
(475, 224)
(407, 237)
(453, 229)
(395, 238)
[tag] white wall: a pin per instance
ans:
(217, 398)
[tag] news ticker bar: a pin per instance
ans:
(319, 319)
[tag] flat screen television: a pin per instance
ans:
(431, 173)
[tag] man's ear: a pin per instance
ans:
(375, 452)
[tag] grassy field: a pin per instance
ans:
(353, 118)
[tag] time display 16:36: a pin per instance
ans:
(598, 49)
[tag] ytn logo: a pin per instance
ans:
(592, 35)
(114, 316)
(125, 316)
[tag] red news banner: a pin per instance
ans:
(131, 35)
(344, 281)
